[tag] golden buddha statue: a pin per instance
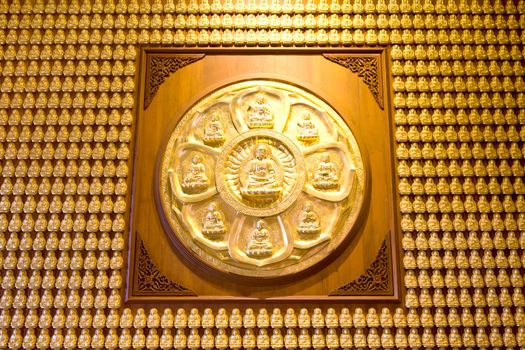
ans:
(309, 225)
(214, 132)
(260, 245)
(325, 176)
(306, 130)
(213, 226)
(260, 113)
(195, 178)
(261, 184)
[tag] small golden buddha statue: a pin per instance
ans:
(261, 183)
(195, 178)
(276, 319)
(260, 245)
(290, 319)
(325, 176)
(260, 113)
(306, 130)
(213, 226)
(214, 132)
(309, 225)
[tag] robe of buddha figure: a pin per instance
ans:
(260, 114)
(214, 132)
(325, 175)
(309, 225)
(213, 226)
(195, 178)
(261, 183)
(306, 129)
(260, 245)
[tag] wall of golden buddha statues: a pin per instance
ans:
(66, 112)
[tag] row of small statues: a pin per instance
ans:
(465, 279)
(273, 6)
(415, 168)
(491, 298)
(482, 223)
(460, 100)
(458, 205)
(51, 241)
(386, 338)
(467, 186)
(263, 319)
(284, 35)
(413, 318)
(461, 261)
(457, 241)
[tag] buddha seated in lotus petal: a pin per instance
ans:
(309, 227)
(260, 245)
(195, 179)
(213, 227)
(260, 114)
(306, 129)
(261, 184)
(325, 176)
(214, 132)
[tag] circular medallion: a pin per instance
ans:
(261, 179)
(260, 173)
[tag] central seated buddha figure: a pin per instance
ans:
(260, 113)
(214, 132)
(306, 129)
(260, 245)
(325, 176)
(195, 178)
(213, 226)
(309, 225)
(261, 183)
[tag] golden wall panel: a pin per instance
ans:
(66, 109)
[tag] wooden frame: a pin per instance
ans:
(137, 250)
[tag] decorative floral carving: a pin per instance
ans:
(368, 68)
(376, 279)
(159, 68)
(151, 280)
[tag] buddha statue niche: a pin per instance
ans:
(309, 225)
(260, 245)
(306, 129)
(260, 113)
(260, 183)
(325, 175)
(213, 226)
(195, 178)
(214, 132)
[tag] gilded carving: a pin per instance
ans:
(159, 68)
(250, 170)
(150, 279)
(375, 278)
(367, 68)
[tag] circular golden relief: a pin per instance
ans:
(261, 179)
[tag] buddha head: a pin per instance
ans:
(261, 152)
(196, 159)
(260, 225)
(260, 99)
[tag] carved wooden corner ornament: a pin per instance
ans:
(149, 280)
(375, 280)
(368, 68)
(159, 68)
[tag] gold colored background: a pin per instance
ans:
(79, 57)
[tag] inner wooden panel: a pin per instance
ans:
(339, 87)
